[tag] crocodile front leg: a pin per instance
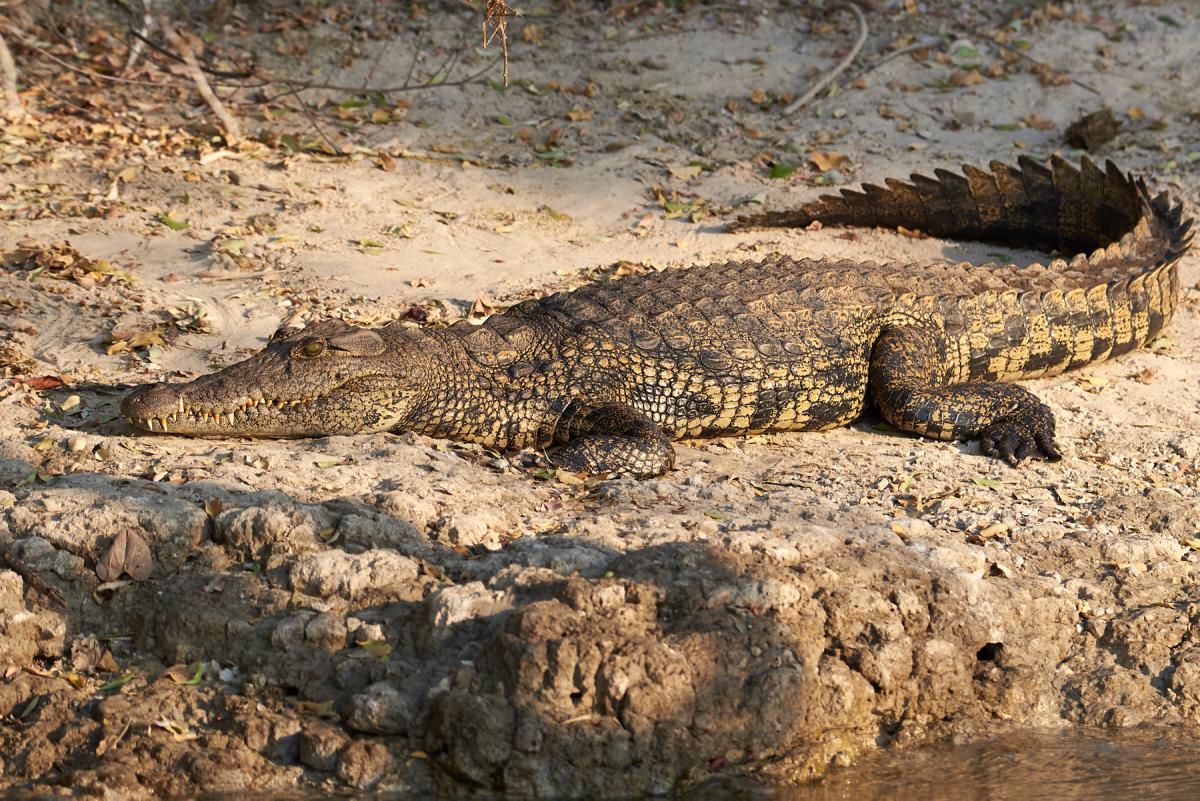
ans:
(611, 438)
(906, 382)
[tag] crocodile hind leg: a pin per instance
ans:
(906, 380)
(611, 438)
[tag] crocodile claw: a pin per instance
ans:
(1027, 433)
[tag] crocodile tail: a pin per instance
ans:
(1057, 208)
(1117, 284)
(1071, 313)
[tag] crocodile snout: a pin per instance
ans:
(151, 404)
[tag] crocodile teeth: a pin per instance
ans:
(181, 406)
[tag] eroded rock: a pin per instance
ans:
(376, 574)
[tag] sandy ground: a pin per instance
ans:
(401, 612)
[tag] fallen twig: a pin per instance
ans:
(843, 65)
(233, 131)
(247, 277)
(895, 54)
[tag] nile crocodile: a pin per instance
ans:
(612, 372)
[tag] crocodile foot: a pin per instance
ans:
(615, 455)
(1027, 432)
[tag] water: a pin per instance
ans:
(1149, 764)
(1140, 765)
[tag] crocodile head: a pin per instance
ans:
(328, 378)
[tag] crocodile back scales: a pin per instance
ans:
(731, 346)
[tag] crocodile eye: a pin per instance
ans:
(312, 347)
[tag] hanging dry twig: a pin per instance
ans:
(233, 131)
(496, 14)
(13, 108)
(843, 65)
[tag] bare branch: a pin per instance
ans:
(842, 66)
(233, 131)
(135, 49)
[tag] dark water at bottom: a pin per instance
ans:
(1139, 765)
(1150, 764)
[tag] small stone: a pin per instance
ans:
(12, 589)
(463, 530)
(363, 763)
(335, 573)
(320, 745)
(369, 632)
(1093, 131)
(380, 709)
(326, 631)
(911, 528)
(288, 634)
(458, 603)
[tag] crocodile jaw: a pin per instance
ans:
(359, 406)
(167, 408)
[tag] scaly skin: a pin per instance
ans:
(612, 372)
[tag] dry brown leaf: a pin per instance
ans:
(825, 160)
(1048, 76)
(685, 171)
(993, 530)
(483, 306)
(1145, 375)
(44, 382)
(128, 554)
(1038, 122)
(965, 78)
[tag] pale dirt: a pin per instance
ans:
(398, 612)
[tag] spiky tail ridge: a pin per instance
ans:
(1113, 231)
